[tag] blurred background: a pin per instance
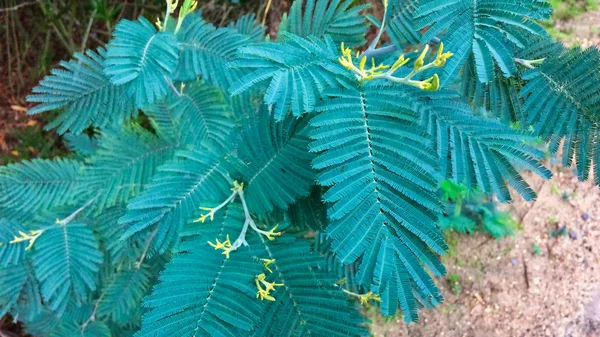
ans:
(524, 269)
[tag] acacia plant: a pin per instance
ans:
(225, 184)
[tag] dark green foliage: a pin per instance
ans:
(237, 138)
(298, 70)
(480, 152)
(74, 251)
(206, 51)
(468, 211)
(82, 86)
(338, 19)
(484, 31)
(142, 58)
(35, 185)
(562, 101)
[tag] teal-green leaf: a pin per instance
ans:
(66, 260)
(83, 92)
(482, 28)
(39, 184)
(339, 19)
(142, 59)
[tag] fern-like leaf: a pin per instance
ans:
(381, 188)
(298, 69)
(487, 30)
(193, 179)
(81, 144)
(11, 253)
(204, 293)
(480, 152)
(273, 161)
(202, 115)
(124, 163)
(12, 281)
(142, 59)
(66, 261)
(339, 19)
(402, 28)
(85, 94)
(309, 303)
(123, 293)
(206, 50)
(39, 184)
(498, 98)
(249, 26)
(562, 100)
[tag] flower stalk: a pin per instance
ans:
(227, 247)
(264, 293)
(377, 71)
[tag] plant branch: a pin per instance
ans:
(16, 7)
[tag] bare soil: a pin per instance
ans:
(584, 30)
(509, 290)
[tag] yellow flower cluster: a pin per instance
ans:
(31, 237)
(225, 246)
(377, 71)
(271, 234)
(265, 293)
(266, 263)
(363, 74)
(365, 298)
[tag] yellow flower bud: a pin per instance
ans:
(421, 60)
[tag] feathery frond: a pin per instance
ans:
(12, 281)
(202, 115)
(309, 303)
(273, 161)
(563, 102)
(124, 163)
(193, 179)
(123, 293)
(206, 50)
(204, 293)
(402, 28)
(66, 261)
(39, 184)
(499, 97)
(249, 26)
(85, 94)
(487, 30)
(11, 253)
(381, 183)
(480, 152)
(142, 59)
(339, 19)
(298, 69)
(81, 144)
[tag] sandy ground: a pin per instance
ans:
(509, 289)
(584, 30)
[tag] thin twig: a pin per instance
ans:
(94, 312)
(20, 83)
(9, 56)
(138, 264)
(77, 211)
(87, 31)
(21, 5)
(264, 20)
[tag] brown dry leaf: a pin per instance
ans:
(19, 108)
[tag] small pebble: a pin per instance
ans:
(573, 234)
(585, 216)
(514, 262)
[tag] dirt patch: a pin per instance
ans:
(583, 30)
(545, 281)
